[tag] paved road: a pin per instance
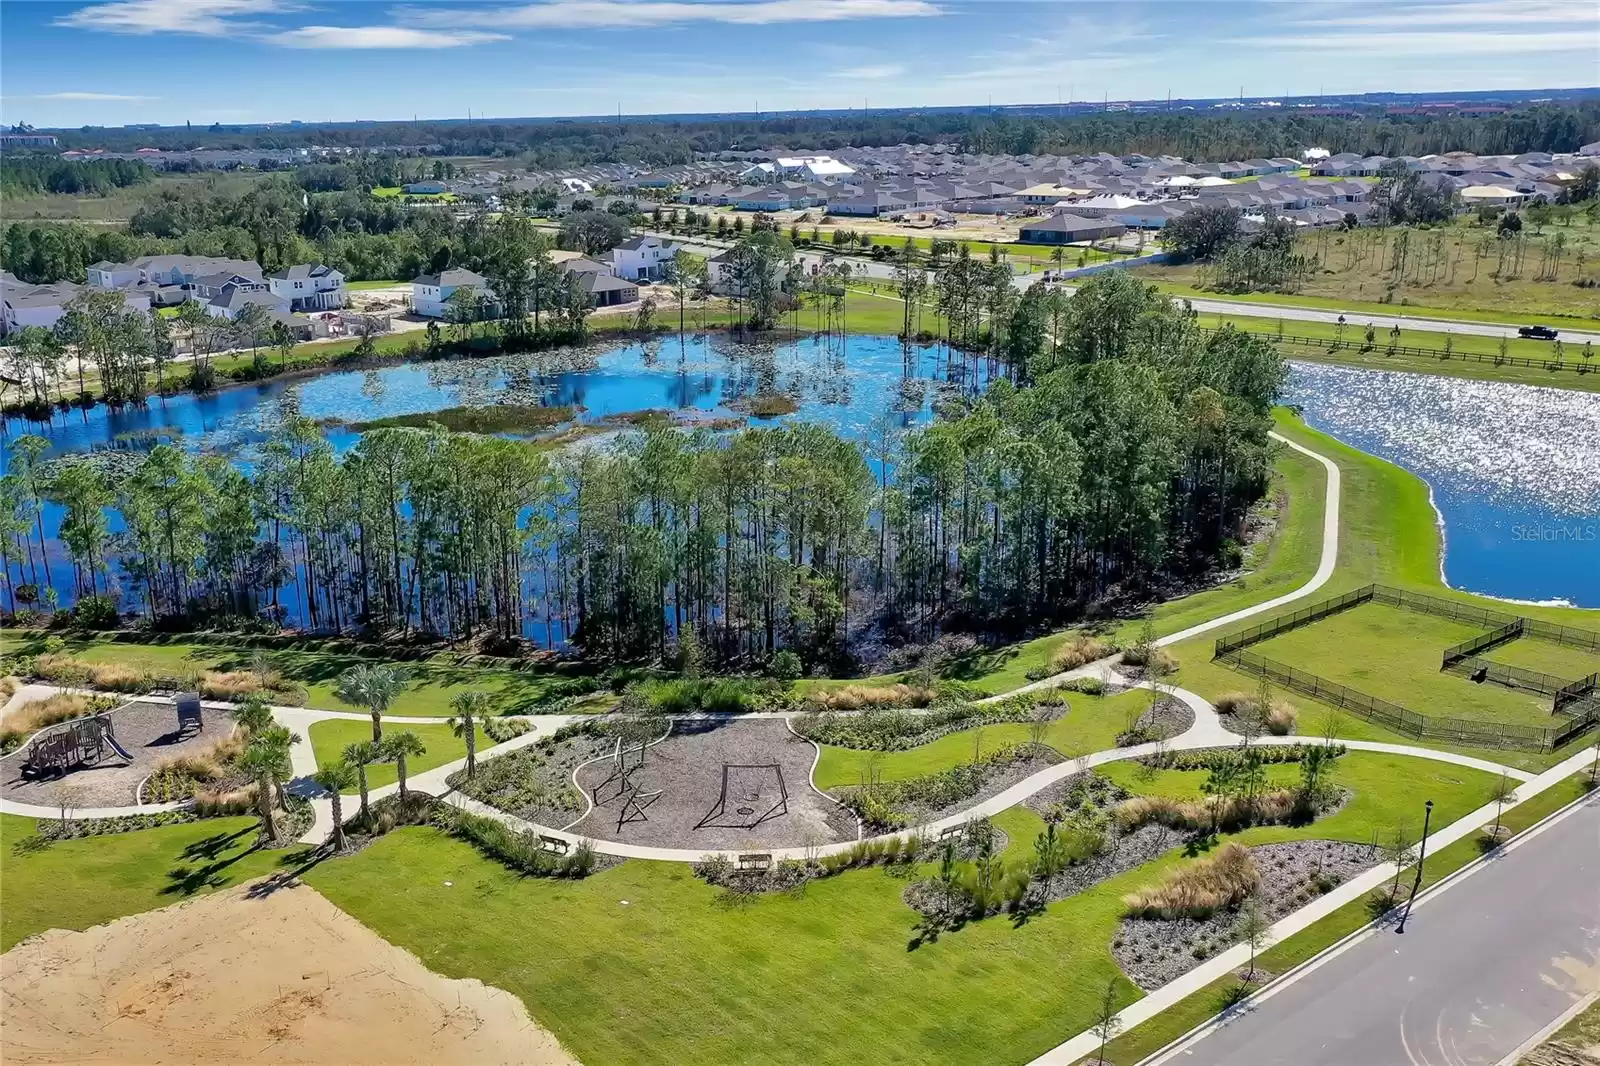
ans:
(1480, 968)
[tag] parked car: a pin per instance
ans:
(1537, 333)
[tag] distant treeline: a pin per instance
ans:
(1193, 135)
(27, 175)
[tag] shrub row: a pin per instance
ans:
(897, 730)
(1209, 758)
(1224, 813)
(1078, 650)
(1200, 888)
(518, 851)
(73, 828)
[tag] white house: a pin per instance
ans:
(25, 304)
(642, 258)
(802, 167)
(430, 292)
(309, 287)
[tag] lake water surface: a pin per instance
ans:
(1514, 469)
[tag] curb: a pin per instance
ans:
(1223, 1017)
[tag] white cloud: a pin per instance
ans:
(103, 97)
(605, 14)
(205, 18)
(871, 73)
(380, 37)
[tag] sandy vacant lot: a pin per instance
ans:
(286, 978)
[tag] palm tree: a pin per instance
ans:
(470, 708)
(253, 714)
(372, 687)
(359, 756)
(336, 777)
(266, 758)
(399, 747)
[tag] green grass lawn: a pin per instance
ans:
(1394, 654)
(643, 964)
(73, 884)
(1386, 791)
(329, 738)
(431, 685)
(359, 286)
(1091, 724)
(1547, 657)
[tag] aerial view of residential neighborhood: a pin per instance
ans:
(805, 532)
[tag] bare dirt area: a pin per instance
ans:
(284, 977)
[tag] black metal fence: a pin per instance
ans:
(1578, 365)
(1467, 649)
(1412, 723)
(1576, 704)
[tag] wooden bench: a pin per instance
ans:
(555, 845)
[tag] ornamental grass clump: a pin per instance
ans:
(1276, 716)
(1201, 888)
(859, 697)
(1079, 649)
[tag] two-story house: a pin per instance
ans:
(642, 258)
(309, 287)
(430, 293)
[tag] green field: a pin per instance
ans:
(1394, 654)
(329, 738)
(1547, 657)
(73, 884)
(1090, 724)
(1457, 271)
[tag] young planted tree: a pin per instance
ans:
(335, 778)
(470, 708)
(1253, 928)
(1050, 855)
(358, 757)
(1106, 1022)
(398, 747)
(1503, 791)
(1398, 849)
(374, 687)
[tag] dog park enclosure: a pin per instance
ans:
(1525, 708)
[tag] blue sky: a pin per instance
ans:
(114, 62)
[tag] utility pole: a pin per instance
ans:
(1422, 857)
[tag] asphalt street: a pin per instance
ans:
(1482, 967)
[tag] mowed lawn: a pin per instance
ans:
(643, 963)
(1090, 724)
(329, 739)
(1387, 791)
(1394, 654)
(73, 884)
(1547, 657)
(430, 686)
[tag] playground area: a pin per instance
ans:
(100, 761)
(283, 977)
(712, 784)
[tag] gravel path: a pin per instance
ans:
(149, 732)
(687, 769)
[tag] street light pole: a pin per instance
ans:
(1422, 857)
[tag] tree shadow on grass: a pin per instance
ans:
(188, 880)
(213, 846)
(32, 844)
(297, 863)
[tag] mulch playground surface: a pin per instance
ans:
(691, 811)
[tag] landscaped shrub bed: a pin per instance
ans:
(888, 805)
(501, 730)
(52, 710)
(211, 770)
(714, 695)
(1200, 888)
(519, 851)
(897, 730)
(873, 697)
(1078, 650)
(73, 828)
(1209, 758)
(535, 782)
(230, 685)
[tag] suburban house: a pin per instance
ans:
(166, 270)
(430, 292)
(231, 299)
(309, 287)
(1063, 228)
(722, 277)
(803, 168)
(208, 287)
(642, 258)
(604, 288)
(25, 304)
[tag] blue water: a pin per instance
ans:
(1514, 470)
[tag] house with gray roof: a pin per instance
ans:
(309, 287)
(430, 293)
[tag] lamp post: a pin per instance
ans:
(1422, 857)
